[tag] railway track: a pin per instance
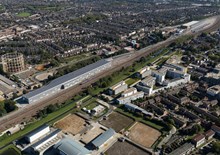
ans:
(27, 112)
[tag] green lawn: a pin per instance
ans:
(2, 7)
(23, 14)
(50, 119)
(131, 81)
(10, 150)
(91, 105)
(77, 58)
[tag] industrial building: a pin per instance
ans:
(68, 146)
(118, 88)
(13, 62)
(38, 133)
(129, 95)
(103, 138)
(67, 81)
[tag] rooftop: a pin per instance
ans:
(130, 90)
(209, 133)
(37, 130)
(71, 147)
(63, 79)
(45, 138)
(182, 149)
(100, 140)
(198, 137)
(117, 85)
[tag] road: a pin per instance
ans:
(25, 113)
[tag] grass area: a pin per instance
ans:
(10, 150)
(184, 38)
(23, 14)
(123, 75)
(76, 58)
(47, 7)
(2, 7)
(131, 81)
(162, 60)
(140, 119)
(49, 119)
(91, 106)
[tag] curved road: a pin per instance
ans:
(30, 110)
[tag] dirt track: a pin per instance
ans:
(30, 110)
(144, 135)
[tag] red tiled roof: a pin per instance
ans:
(209, 133)
(215, 128)
(198, 137)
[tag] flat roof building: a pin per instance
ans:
(67, 81)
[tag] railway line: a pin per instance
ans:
(28, 111)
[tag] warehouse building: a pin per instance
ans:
(67, 81)
(103, 138)
(38, 133)
(68, 146)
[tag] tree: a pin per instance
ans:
(216, 147)
(51, 108)
(2, 111)
(54, 63)
(10, 105)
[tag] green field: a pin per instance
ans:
(23, 14)
(91, 106)
(131, 81)
(10, 150)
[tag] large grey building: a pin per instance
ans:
(67, 81)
